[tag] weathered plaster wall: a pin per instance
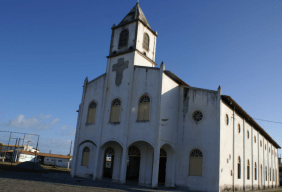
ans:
(247, 149)
(145, 81)
(255, 158)
(112, 131)
(152, 43)
(203, 135)
(169, 111)
(226, 149)
(94, 92)
(84, 171)
(248, 155)
(141, 61)
(131, 39)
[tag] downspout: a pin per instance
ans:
(233, 149)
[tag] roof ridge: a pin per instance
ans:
(135, 13)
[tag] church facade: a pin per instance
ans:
(138, 122)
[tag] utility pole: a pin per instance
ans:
(14, 151)
(36, 152)
(7, 147)
(17, 147)
(69, 156)
(23, 139)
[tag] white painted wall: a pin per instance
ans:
(247, 149)
(226, 148)
(131, 40)
(25, 157)
(152, 43)
(203, 135)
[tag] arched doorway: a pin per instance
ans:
(162, 166)
(133, 163)
(108, 162)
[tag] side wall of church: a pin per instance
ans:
(255, 163)
(226, 149)
(247, 156)
(203, 135)
(227, 157)
(247, 149)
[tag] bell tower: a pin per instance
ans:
(134, 34)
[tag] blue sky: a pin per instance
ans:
(47, 48)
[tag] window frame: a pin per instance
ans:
(84, 156)
(139, 108)
(199, 158)
(145, 44)
(122, 45)
(111, 113)
(88, 113)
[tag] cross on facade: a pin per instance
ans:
(119, 68)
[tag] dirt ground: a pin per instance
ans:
(12, 179)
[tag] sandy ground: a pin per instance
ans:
(25, 181)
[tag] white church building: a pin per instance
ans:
(138, 122)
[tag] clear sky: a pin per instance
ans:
(47, 48)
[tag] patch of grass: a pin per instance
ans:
(56, 169)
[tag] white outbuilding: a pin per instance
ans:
(138, 122)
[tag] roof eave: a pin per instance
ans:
(232, 104)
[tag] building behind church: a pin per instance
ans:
(138, 122)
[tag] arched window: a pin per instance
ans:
(269, 174)
(248, 169)
(248, 134)
(226, 119)
(133, 151)
(255, 171)
(85, 156)
(239, 128)
(146, 41)
(266, 173)
(123, 39)
(195, 163)
(91, 112)
(255, 139)
(239, 168)
(144, 108)
(115, 110)
(162, 153)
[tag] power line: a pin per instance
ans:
(268, 121)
